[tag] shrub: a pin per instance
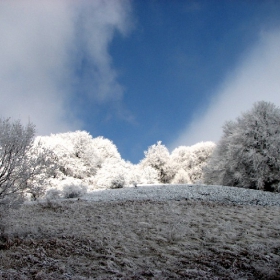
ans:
(73, 191)
(117, 182)
(113, 174)
(53, 194)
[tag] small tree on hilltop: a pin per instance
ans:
(248, 155)
(158, 157)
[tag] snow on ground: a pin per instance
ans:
(178, 192)
(144, 239)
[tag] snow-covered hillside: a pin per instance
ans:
(181, 192)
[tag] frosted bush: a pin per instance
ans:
(113, 173)
(132, 174)
(149, 175)
(60, 183)
(73, 191)
(53, 194)
(117, 182)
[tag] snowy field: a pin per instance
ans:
(197, 192)
(147, 232)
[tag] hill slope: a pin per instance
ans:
(179, 238)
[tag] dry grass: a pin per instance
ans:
(141, 240)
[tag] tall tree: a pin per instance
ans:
(248, 154)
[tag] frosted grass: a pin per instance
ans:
(178, 192)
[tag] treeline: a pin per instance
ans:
(96, 163)
(248, 155)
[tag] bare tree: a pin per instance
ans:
(18, 163)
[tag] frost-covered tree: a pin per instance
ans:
(18, 166)
(157, 156)
(105, 149)
(79, 158)
(15, 140)
(85, 149)
(114, 173)
(182, 177)
(140, 174)
(248, 154)
(74, 153)
(42, 168)
(190, 160)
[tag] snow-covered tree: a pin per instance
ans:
(105, 149)
(40, 160)
(113, 174)
(190, 160)
(140, 174)
(74, 155)
(157, 156)
(18, 168)
(182, 177)
(248, 154)
(80, 159)
(85, 149)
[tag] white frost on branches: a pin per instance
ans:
(21, 163)
(157, 157)
(113, 174)
(248, 154)
(190, 160)
(80, 159)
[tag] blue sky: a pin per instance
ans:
(139, 71)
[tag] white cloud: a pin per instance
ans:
(43, 43)
(256, 78)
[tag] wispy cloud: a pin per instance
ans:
(48, 48)
(97, 21)
(256, 78)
